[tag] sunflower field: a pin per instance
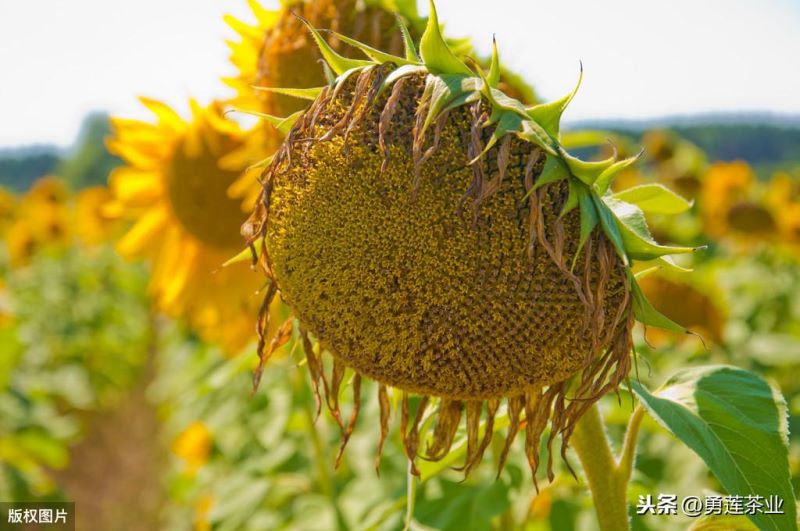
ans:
(375, 285)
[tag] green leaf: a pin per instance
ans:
(636, 237)
(464, 506)
(548, 115)
(338, 63)
(436, 54)
(738, 425)
(654, 198)
(724, 522)
(644, 312)
(301, 93)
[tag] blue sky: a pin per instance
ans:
(60, 60)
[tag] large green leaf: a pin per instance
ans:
(738, 425)
(464, 506)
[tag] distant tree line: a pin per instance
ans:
(87, 163)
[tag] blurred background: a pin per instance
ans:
(126, 349)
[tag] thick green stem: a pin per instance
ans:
(607, 483)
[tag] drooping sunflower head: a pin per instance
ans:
(432, 233)
(175, 186)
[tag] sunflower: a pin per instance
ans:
(92, 225)
(41, 221)
(8, 206)
(676, 161)
(728, 206)
(686, 304)
(431, 233)
(174, 187)
(783, 199)
(278, 52)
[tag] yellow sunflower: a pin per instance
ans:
(92, 225)
(727, 202)
(783, 198)
(175, 188)
(277, 51)
(8, 205)
(41, 221)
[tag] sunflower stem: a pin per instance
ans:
(607, 485)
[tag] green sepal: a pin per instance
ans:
(444, 89)
(553, 170)
(280, 123)
(408, 43)
(589, 214)
(610, 226)
(506, 122)
(373, 53)
(572, 198)
(245, 255)
(668, 262)
(646, 272)
(587, 172)
(403, 71)
(607, 176)
(655, 199)
(644, 312)
(533, 133)
(338, 63)
(636, 237)
(300, 93)
(436, 54)
(548, 115)
(494, 68)
(406, 8)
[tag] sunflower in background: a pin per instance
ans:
(173, 185)
(783, 199)
(41, 221)
(92, 225)
(8, 205)
(728, 206)
(279, 52)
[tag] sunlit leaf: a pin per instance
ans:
(737, 424)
